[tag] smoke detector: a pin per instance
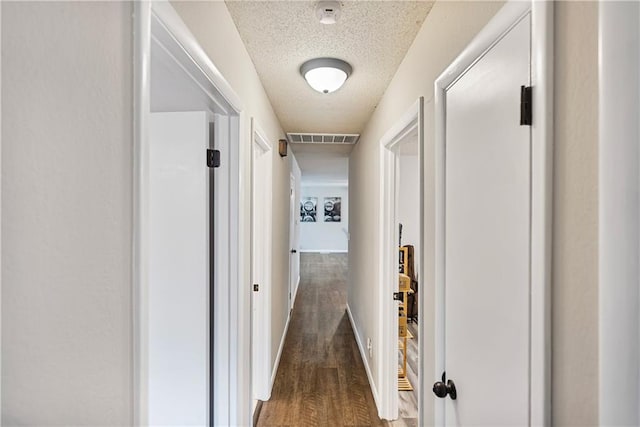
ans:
(328, 12)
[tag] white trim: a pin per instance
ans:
(363, 356)
(387, 366)
(232, 261)
(276, 365)
(541, 207)
(171, 19)
(259, 136)
(542, 42)
(0, 215)
(619, 213)
(140, 225)
(261, 387)
(295, 291)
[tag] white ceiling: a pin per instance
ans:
(373, 36)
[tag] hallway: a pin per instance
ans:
(321, 380)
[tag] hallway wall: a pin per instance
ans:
(67, 139)
(213, 27)
(325, 236)
(575, 306)
(575, 211)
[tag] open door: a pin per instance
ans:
(179, 311)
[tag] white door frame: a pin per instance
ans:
(388, 364)
(293, 204)
(158, 20)
(0, 209)
(261, 337)
(541, 191)
(619, 213)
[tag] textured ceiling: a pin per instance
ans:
(373, 36)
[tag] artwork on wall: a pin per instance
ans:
(332, 209)
(308, 210)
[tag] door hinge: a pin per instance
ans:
(256, 287)
(526, 106)
(213, 158)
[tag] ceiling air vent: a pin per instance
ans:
(323, 138)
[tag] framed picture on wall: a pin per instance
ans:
(332, 209)
(308, 209)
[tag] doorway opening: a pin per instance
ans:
(323, 208)
(187, 232)
(261, 245)
(401, 263)
(294, 240)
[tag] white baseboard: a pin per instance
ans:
(295, 291)
(365, 361)
(277, 363)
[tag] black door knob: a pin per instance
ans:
(293, 251)
(441, 389)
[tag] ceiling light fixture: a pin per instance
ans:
(325, 75)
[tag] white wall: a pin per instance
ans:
(575, 223)
(324, 236)
(67, 207)
(619, 213)
(67, 202)
(409, 204)
(575, 272)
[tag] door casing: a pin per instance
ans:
(541, 191)
(387, 394)
(261, 246)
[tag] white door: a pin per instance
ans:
(487, 238)
(260, 269)
(179, 278)
(294, 255)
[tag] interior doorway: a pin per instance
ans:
(187, 232)
(261, 246)
(294, 239)
(408, 223)
(401, 263)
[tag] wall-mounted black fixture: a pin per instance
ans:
(282, 147)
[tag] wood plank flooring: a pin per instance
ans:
(321, 380)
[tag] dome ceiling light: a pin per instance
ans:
(325, 75)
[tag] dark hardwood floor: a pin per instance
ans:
(321, 380)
